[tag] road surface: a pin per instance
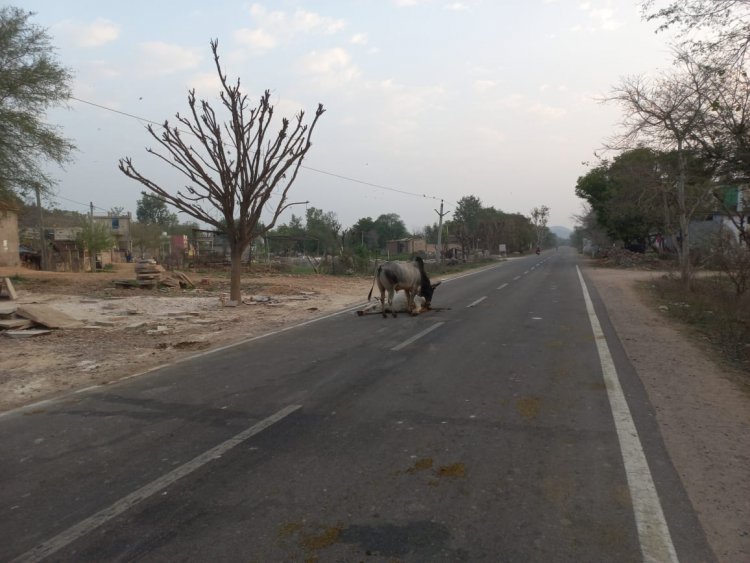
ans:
(505, 426)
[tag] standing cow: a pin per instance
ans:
(408, 276)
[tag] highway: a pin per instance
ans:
(507, 425)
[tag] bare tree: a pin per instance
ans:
(667, 113)
(539, 218)
(717, 30)
(233, 168)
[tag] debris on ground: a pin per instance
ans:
(7, 290)
(623, 258)
(150, 275)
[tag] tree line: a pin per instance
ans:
(474, 227)
(684, 149)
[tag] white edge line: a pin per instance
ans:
(517, 278)
(503, 286)
(653, 532)
(416, 337)
(477, 302)
(85, 526)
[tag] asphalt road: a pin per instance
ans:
(488, 430)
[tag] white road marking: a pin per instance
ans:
(79, 530)
(502, 286)
(416, 337)
(526, 272)
(477, 302)
(517, 278)
(653, 532)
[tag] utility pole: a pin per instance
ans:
(42, 238)
(439, 247)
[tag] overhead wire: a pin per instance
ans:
(319, 171)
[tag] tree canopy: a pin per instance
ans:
(31, 82)
(151, 209)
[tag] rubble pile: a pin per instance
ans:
(149, 275)
(22, 321)
(623, 258)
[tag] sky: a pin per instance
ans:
(426, 100)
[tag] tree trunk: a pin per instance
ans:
(235, 276)
(684, 255)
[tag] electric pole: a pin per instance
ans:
(439, 247)
(42, 237)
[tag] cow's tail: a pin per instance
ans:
(377, 273)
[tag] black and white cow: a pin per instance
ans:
(407, 276)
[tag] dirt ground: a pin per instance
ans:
(703, 413)
(129, 331)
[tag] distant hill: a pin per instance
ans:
(561, 232)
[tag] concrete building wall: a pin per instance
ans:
(8, 236)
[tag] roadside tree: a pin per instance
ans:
(324, 227)
(152, 210)
(389, 226)
(465, 223)
(666, 114)
(233, 168)
(539, 218)
(94, 237)
(31, 82)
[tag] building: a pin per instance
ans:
(411, 246)
(119, 226)
(9, 242)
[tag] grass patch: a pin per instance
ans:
(714, 313)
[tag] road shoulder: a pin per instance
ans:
(703, 416)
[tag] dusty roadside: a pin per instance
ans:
(129, 331)
(703, 415)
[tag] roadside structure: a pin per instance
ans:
(9, 255)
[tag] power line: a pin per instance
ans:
(371, 184)
(333, 174)
(87, 205)
(114, 110)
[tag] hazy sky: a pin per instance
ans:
(492, 98)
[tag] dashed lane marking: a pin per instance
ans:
(416, 337)
(61, 540)
(477, 302)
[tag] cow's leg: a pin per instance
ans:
(391, 291)
(382, 300)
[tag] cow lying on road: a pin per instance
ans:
(407, 276)
(398, 305)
